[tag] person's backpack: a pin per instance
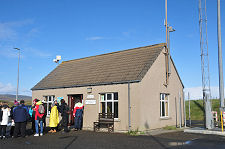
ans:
(41, 109)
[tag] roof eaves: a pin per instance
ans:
(84, 85)
(177, 71)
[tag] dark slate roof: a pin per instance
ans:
(112, 68)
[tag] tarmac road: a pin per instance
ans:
(102, 140)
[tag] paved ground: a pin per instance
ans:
(102, 140)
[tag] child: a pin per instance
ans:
(5, 120)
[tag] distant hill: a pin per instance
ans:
(10, 97)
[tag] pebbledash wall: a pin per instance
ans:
(144, 97)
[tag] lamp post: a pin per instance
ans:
(18, 73)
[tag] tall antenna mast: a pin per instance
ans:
(167, 52)
(205, 64)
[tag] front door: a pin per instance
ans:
(72, 99)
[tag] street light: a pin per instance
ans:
(18, 73)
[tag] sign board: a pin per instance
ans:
(90, 96)
(90, 102)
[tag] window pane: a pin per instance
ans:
(46, 98)
(116, 109)
(109, 96)
(103, 107)
(160, 108)
(102, 97)
(109, 107)
(49, 108)
(115, 96)
(166, 108)
(166, 97)
(163, 108)
(163, 96)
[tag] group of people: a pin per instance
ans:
(21, 114)
(54, 122)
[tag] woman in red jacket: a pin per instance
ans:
(38, 118)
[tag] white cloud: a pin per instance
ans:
(8, 29)
(8, 51)
(32, 32)
(196, 92)
(95, 38)
(7, 88)
(38, 53)
(10, 89)
(6, 32)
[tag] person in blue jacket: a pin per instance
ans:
(20, 115)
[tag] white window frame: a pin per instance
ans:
(47, 97)
(106, 101)
(164, 100)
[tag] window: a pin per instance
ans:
(109, 103)
(164, 105)
(49, 100)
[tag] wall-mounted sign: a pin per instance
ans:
(90, 96)
(90, 102)
(89, 90)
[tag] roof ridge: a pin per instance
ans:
(154, 45)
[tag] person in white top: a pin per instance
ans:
(5, 120)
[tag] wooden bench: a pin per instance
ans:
(105, 120)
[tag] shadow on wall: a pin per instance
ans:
(146, 125)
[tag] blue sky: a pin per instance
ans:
(79, 28)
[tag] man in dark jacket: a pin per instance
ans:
(20, 115)
(65, 115)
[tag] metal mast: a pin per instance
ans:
(221, 85)
(205, 64)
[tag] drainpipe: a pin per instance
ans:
(180, 110)
(129, 123)
(176, 110)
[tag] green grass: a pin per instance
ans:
(170, 128)
(135, 132)
(197, 109)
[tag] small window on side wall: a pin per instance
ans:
(164, 105)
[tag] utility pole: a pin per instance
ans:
(184, 109)
(208, 119)
(167, 52)
(221, 85)
(17, 89)
(170, 29)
